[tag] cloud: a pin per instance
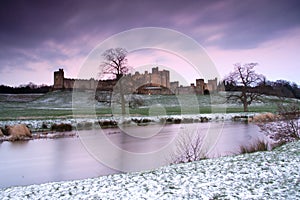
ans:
(277, 58)
(34, 33)
(242, 24)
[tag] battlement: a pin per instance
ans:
(158, 79)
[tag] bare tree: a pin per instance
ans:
(244, 79)
(286, 127)
(115, 62)
(188, 147)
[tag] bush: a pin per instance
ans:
(188, 147)
(169, 120)
(136, 102)
(204, 119)
(146, 120)
(258, 145)
(284, 128)
(4, 131)
(177, 121)
(61, 127)
(108, 124)
(44, 126)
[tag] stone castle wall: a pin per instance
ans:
(156, 82)
(60, 83)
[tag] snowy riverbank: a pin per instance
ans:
(261, 175)
(48, 128)
(42, 124)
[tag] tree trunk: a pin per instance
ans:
(245, 103)
(245, 106)
(123, 104)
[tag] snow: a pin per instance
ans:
(36, 124)
(261, 175)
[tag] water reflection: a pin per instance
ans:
(19, 144)
(235, 135)
(40, 161)
(45, 160)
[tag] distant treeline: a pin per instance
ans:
(280, 88)
(25, 89)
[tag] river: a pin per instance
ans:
(90, 155)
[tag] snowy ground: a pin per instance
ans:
(261, 175)
(37, 124)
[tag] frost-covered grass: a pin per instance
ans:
(38, 125)
(261, 175)
(60, 104)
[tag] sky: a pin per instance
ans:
(39, 37)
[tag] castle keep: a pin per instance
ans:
(156, 82)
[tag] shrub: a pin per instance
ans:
(177, 121)
(108, 124)
(169, 120)
(44, 126)
(258, 145)
(4, 131)
(61, 127)
(188, 147)
(1, 134)
(266, 117)
(146, 120)
(136, 102)
(284, 128)
(204, 119)
(18, 132)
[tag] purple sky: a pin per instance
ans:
(38, 37)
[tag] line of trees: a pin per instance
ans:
(280, 88)
(250, 86)
(25, 89)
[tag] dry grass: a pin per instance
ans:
(258, 145)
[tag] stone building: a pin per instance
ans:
(212, 85)
(200, 88)
(60, 83)
(156, 82)
(59, 79)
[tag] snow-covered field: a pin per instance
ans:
(261, 175)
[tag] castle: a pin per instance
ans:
(156, 82)
(61, 83)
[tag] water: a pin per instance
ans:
(146, 147)
(46, 160)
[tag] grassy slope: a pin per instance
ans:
(59, 104)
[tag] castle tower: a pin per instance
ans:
(58, 79)
(166, 83)
(155, 70)
(212, 84)
(200, 84)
